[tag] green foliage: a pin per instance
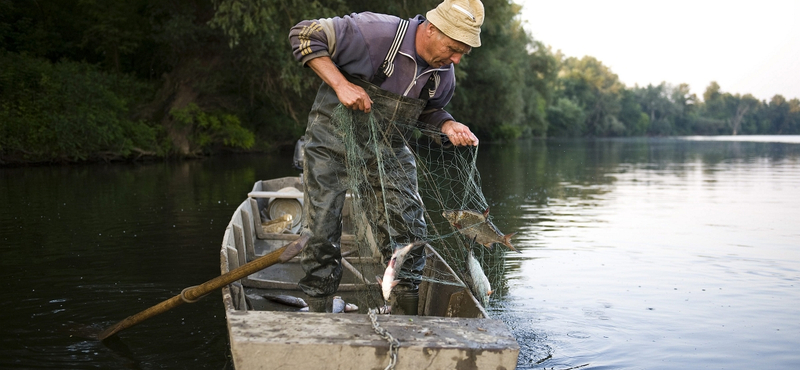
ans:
(503, 88)
(566, 117)
(257, 33)
(631, 116)
(90, 79)
(595, 88)
(207, 130)
(69, 111)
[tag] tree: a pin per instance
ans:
(737, 107)
(566, 118)
(686, 107)
(714, 114)
(595, 88)
(631, 115)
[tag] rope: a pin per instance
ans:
(394, 344)
(187, 300)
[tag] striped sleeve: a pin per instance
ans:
(309, 40)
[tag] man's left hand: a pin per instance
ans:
(459, 134)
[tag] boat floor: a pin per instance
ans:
(257, 302)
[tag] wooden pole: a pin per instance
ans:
(192, 294)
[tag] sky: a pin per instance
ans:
(745, 46)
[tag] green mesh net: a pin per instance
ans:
(448, 179)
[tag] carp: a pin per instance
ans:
(286, 300)
(476, 226)
(476, 279)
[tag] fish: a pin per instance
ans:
(476, 226)
(389, 281)
(287, 300)
(278, 225)
(350, 307)
(476, 279)
(338, 305)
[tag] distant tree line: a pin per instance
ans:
(108, 80)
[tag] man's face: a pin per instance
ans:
(442, 50)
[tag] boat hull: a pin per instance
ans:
(452, 331)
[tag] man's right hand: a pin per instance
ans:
(350, 95)
(353, 96)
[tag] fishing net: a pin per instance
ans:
(447, 178)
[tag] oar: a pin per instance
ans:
(192, 294)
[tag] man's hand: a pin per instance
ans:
(350, 95)
(353, 96)
(459, 134)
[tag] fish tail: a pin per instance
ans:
(507, 242)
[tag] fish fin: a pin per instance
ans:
(507, 242)
(486, 212)
(490, 292)
(394, 283)
(378, 278)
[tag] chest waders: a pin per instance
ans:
(397, 217)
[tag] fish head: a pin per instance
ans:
(450, 216)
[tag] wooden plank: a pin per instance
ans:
(233, 258)
(238, 238)
(247, 225)
(257, 219)
(285, 340)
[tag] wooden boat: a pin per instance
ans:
(452, 331)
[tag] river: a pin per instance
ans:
(636, 254)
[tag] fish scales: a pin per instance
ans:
(477, 226)
(286, 300)
(477, 280)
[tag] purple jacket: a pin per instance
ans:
(358, 43)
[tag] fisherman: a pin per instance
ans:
(399, 70)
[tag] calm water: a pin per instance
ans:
(637, 254)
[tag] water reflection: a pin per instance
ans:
(638, 253)
(86, 246)
(652, 253)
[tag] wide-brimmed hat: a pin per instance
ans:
(461, 20)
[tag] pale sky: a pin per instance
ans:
(746, 46)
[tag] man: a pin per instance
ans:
(399, 70)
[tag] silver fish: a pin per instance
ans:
(287, 300)
(389, 281)
(476, 226)
(350, 307)
(476, 279)
(338, 305)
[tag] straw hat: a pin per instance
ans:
(461, 20)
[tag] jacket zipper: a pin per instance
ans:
(414, 81)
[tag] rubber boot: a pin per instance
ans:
(406, 302)
(319, 304)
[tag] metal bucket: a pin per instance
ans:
(278, 207)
